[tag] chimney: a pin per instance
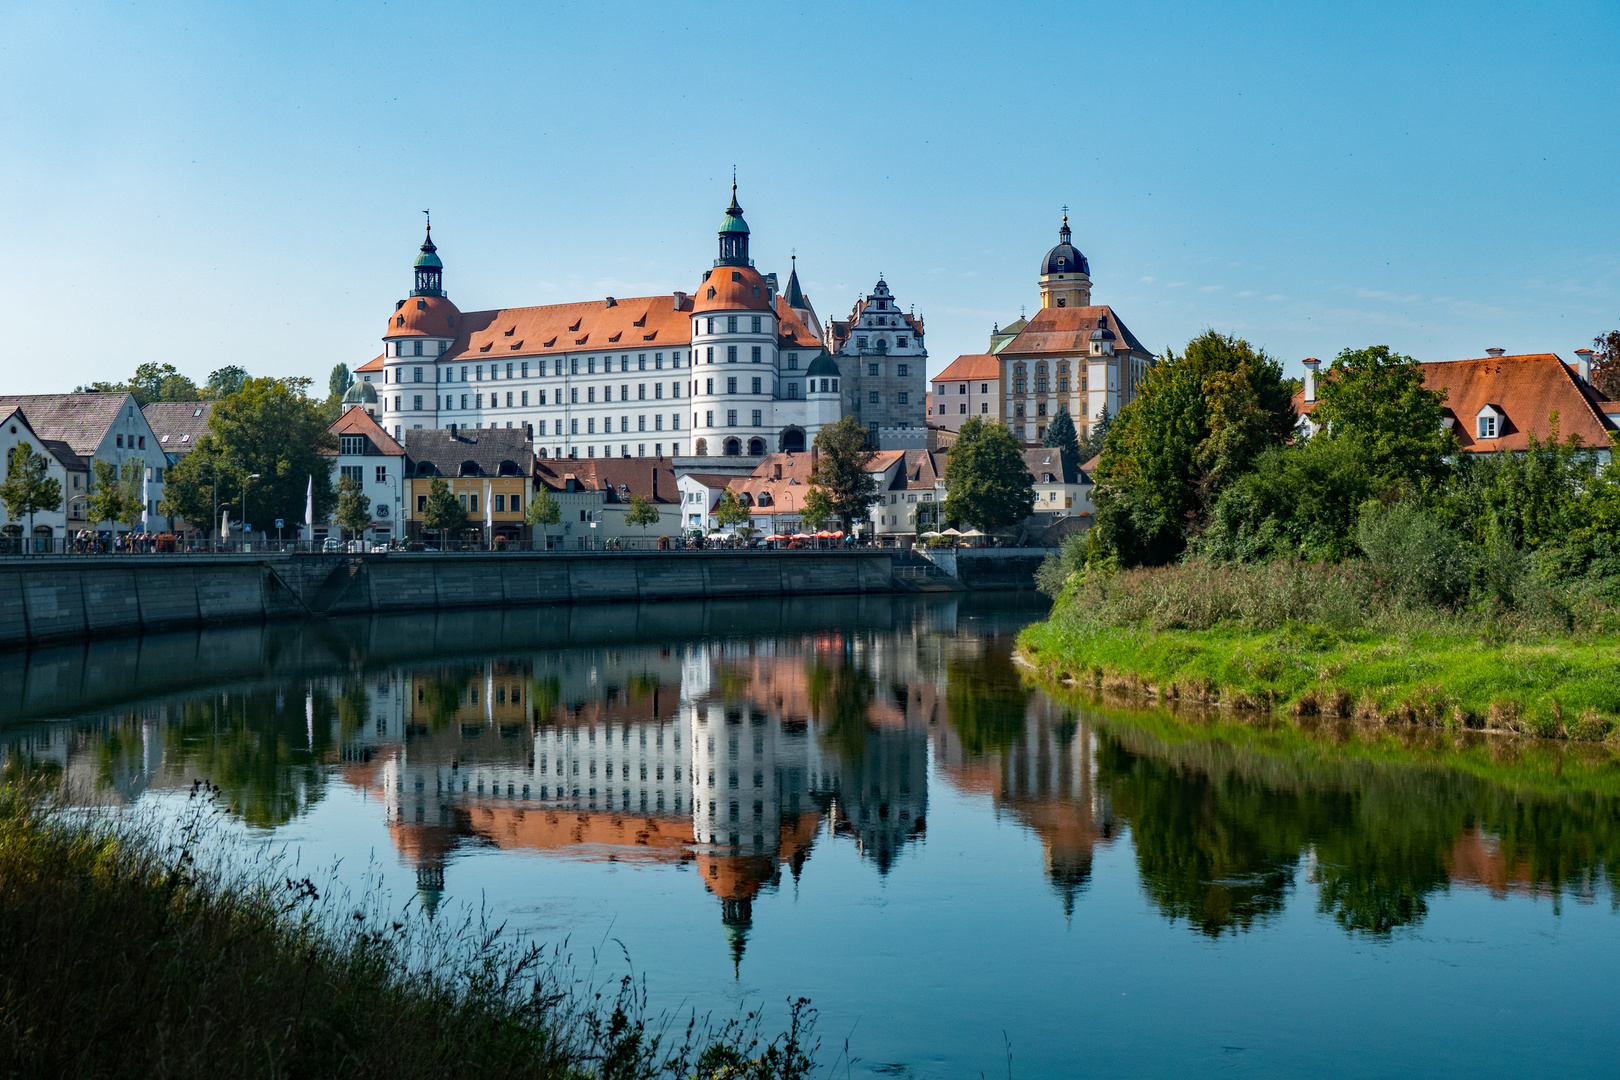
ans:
(1493, 353)
(1311, 364)
(778, 470)
(680, 300)
(452, 433)
(655, 483)
(1583, 365)
(611, 302)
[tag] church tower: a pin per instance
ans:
(1065, 275)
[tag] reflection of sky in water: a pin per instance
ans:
(861, 802)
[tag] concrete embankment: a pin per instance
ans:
(58, 598)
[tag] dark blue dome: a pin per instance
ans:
(1065, 258)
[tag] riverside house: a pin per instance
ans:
(490, 471)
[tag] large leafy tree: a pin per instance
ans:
(1376, 399)
(816, 511)
(152, 382)
(840, 473)
(1200, 421)
(270, 427)
(29, 487)
(1060, 435)
(986, 483)
(226, 381)
(132, 492)
(443, 512)
(1092, 444)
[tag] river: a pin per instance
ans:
(863, 801)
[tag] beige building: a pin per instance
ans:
(1072, 354)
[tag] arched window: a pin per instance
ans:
(793, 440)
(756, 447)
(509, 468)
(469, 468)
(702, 448)
(733, 448)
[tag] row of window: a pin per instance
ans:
(520, 398)
(731, 418)
(984, 408)
(706, 325)
(133, 440)
(607, 424)
(501, 504)
(607, 451)
(900, 370)
(900, 342)
(519, 369)
(1021, 385)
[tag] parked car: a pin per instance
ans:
(333, 546)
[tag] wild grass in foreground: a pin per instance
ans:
(1315, 639)
(125, 955)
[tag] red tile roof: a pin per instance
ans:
(642, 322)
(734, 288)
(791, 331)
(969, 367)
(357, 421)
(375, 364)
(622, 477)
(1068, 331)
(1528, 388)
(424, 316)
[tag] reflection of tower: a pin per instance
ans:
(882, 795)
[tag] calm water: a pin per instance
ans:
(861, 801)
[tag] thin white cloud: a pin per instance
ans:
(1210, 288)
(1248, 292)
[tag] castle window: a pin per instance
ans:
(418, 348)
(860, 342)
(756, 324)
(903, 398)
(731, 324)
(731, 354)
(793, 391)
(793, 361)
(731, 417)
(900, 342)
(755, 358)
(872, 398)
(758, 414)
(902, 370)
(872, 370)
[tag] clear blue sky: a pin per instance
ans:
(205, 184)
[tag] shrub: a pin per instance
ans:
(1414, 555)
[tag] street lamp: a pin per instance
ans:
(250, 476)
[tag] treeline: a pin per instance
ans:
(164, 382)
(1208, 464)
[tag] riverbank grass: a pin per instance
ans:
(125, 957)
(1317, 641)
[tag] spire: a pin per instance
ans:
(795, 295)
(429, 270)
(733, 234)
(1063, 233)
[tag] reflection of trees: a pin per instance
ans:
(1220, 832)
(986, 699)
(442, 694)
(840, 696)
(1218, 853)
(259, 747)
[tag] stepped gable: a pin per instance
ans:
(610, 325)
(1067, 331)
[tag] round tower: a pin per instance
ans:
(734, 354)
(1065, 274)
(422, 328)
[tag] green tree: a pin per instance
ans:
(730, 512)
(226, 381)
(337, 383)
(151, 382)
(1297, 501)
(270, 427)
(643, 512)
(353, 507)
(29, 486)
(105, 500)
(443, 512)
(1376, 399)
(816, 511)
(132, 492)
(1199, 423)
(543, 511)
(1060, 435)
(986, 483)
(1093, 443)
(840, 472)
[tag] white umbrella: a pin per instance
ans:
(952, 532)
(931, 533)
(973, 532)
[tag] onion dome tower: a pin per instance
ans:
(422, 328)
(1065, 274)
(429, 270)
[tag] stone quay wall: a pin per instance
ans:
(57, 598)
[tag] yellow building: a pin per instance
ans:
(490, 471)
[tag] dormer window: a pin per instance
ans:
(1489, 421)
